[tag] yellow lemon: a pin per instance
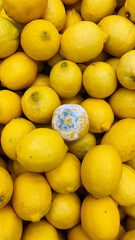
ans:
(130, 211)
(102, 57)
(121, 33)
(81, 146)
(120, 233)
(99, 80)
(122, 103)
(125, 191)
(71, 121)
(72, 17)
(100, 114)
(12, 132)
(122, 12)
(76, 5)
(129, 235)
(65, 210)
(41, 80)
(10, 106)
(130, 223)
(74, 100)
(42, 149)
(31, 197)
(69, 2)
(122, 136)
(18, 168)
(3, 163)
(64, 75)
(40, 230)
(40, 39)
(82, 42)
(67, 177)
(9, 37)
(130, 9)
(6, 187)
(55, 13)
(113, 62)
(101, 170)
(24, 11)
(131, 163)
(55, 59)
(126, 70)
(11, 225)
(39, 102)
(76, 233)
(94, 10)
(22, 71)
(100, 218)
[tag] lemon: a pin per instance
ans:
(6, 188)
(120, 233)
(39, 102)
(12, 132)
(101, 170)
(65, 210)
(9, 38)
(67, 177)
(42, 149)
(22, 71)
(122, 136)
(130, 223)
(18, 168)
(122, 12)
(122, 103)
(10, 106)
(74, 100)
(55, 59)
(41, 80)
(81, 146)
(76, 233)
(69, 2)
(71, 121)
(102, 57)
(100, 114)
(24, 11)
(40, 39)
(130, 9)
(99, 80)
(94, 10)
(40, 230)
(76, 5)
(129, 235)
(82, 42)
(31, 197)
(121, 33)
(72, 17)
(100, 218)
(55, 13)
(130, 211)
(113, 62)
(63, 75)
(126, 70)
(11, 225)
(124, 192)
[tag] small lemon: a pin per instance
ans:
(129, 235)
(55, 59)
(99, 80)
(76, 5)
(81, 146)
(130, 9)
(130, 223)
(82, 42)
(100, 114)
(41, 80)
(125, 191)
(67, 177)
(18, 168)
(31, 197)
(39, 102)
(121, 33)
(72, 17)
(40, 39)
(94, 11)
(113, 62)
(102, 57)
(69, 2)
(74, 100)
(130, 211)
(100, 218)
(65, 210)
(6, 187)
(42, 149)
(9, 38)
(24, 11)
(55, 13)
(64, 75)
(40, 230)
(11, 225)
(12, 132)
(122, 12)
(122, 136)
(120, 233)
(126, 70)
(101, 170)
(76, 233)
(10, 106)
(122, 103)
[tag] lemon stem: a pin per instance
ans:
(127, 14)
(64, 64)
(35, 96)
(1, 198)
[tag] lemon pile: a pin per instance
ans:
(67, 120)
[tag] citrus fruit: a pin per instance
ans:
(130, 9)
(41, 80)
(76, 233)
(72, 17)
(113, 62)
(129, 235)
